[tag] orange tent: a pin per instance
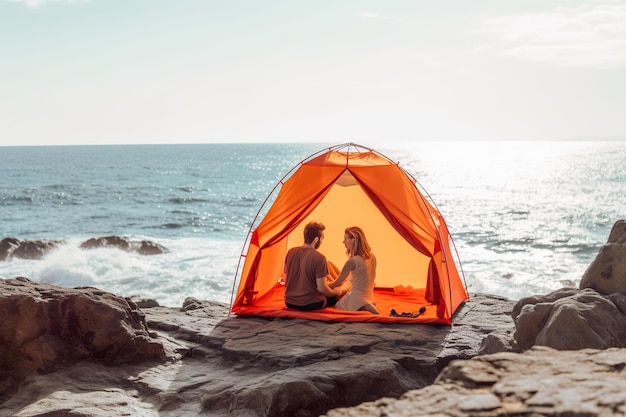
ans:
(351, 185)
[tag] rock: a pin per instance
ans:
(498, 342)
(144, 247)
(569, 319)
(11, 247)
(538, 382)
(45, 328)
(191, 303)
(100, 242)
(607, 273)
(252, 366)
(7, 246)
(26, 249)
(145, 303)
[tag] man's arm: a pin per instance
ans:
(324, 289)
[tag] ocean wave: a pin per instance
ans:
(185, 200)
(12, 200)
(168, 278)
(168, 226)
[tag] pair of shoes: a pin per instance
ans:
(413, 314)
(417, 313)
(394, 313)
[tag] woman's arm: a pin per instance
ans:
(323, 288)
(345, 271)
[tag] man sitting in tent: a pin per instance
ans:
(306, 272)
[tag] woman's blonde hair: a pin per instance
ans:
(360, 247)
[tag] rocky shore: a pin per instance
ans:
(77, 351)
(85, 352)
(11, 247)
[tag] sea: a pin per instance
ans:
(526, 218)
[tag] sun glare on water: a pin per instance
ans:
(518, 211)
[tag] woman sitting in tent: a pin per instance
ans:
(362, 266)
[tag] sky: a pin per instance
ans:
(332, 71)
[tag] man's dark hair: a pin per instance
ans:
(313, 230)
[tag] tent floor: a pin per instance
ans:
(272, 304)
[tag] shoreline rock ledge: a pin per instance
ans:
(75, 352)
(84, 352)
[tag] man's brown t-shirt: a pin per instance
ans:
(303, 265)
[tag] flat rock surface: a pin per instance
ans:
(250, 366)
(539, 382)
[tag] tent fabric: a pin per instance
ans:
(351, 185)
